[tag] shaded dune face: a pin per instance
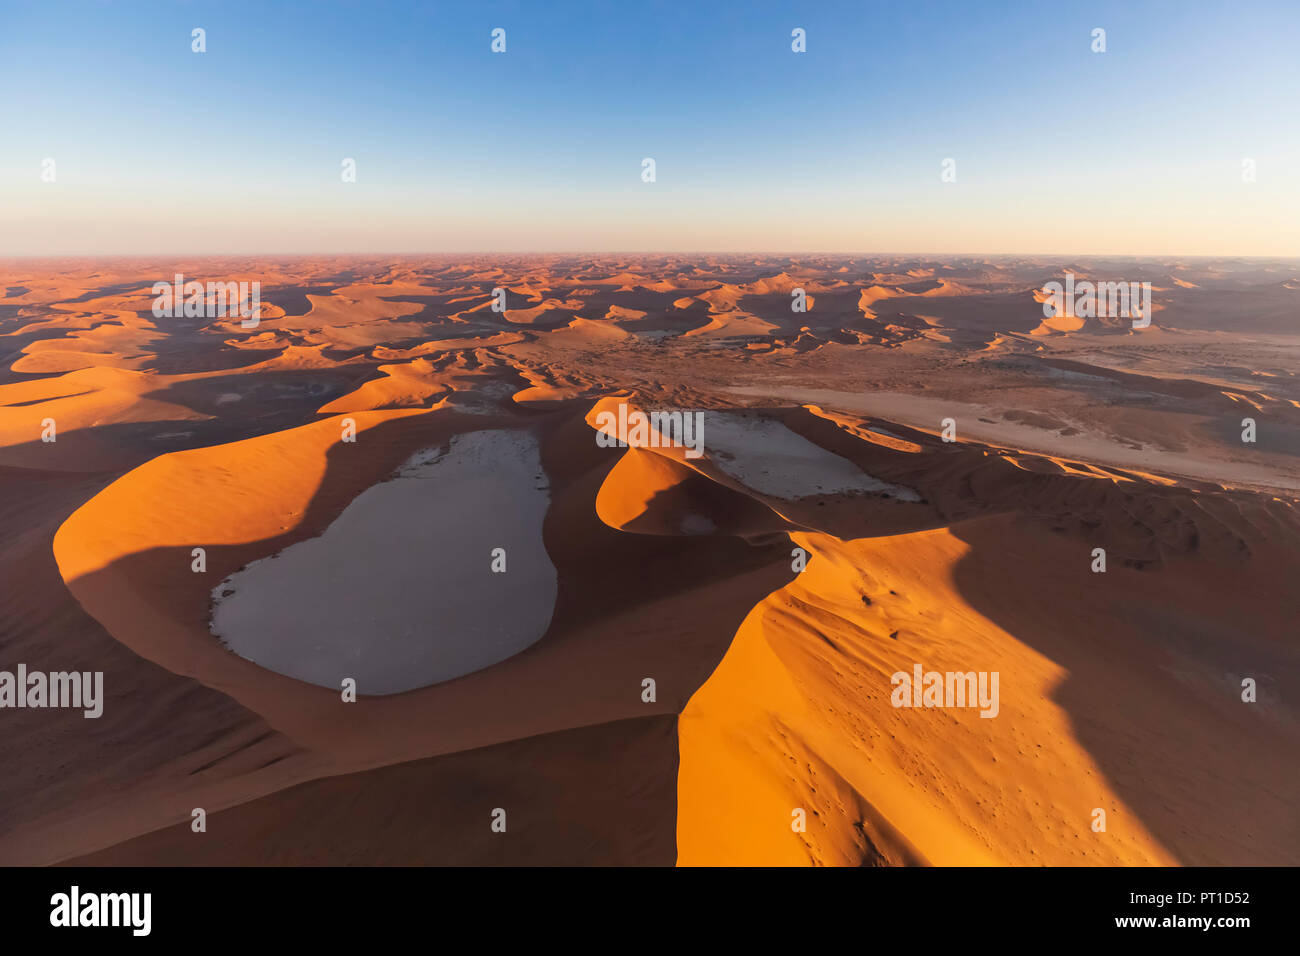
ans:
(798, 717)
(772, 685)
(126, 557)
(1101, 680)
(796, 714)
(648, 493)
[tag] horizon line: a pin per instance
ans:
(4, 257)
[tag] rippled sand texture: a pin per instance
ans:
(686, 655)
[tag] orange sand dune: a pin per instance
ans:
(879, 784)
(126, 558)
(78, 403)
(824, 438)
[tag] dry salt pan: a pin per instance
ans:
(399, 592)
(773, 460)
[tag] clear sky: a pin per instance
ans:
(1057, 149)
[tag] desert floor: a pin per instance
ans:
(940, 458)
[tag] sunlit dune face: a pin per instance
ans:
(425, 476)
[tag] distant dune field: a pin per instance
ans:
(403, 475)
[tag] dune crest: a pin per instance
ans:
(691, 653)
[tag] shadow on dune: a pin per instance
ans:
(1155, 651)
(568, 709)
(280, 398)
(572, 798)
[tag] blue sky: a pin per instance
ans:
(1058, 149)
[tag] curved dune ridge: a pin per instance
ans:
(398, 592)
(789, 723)
(687, 658)
(796, 716)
